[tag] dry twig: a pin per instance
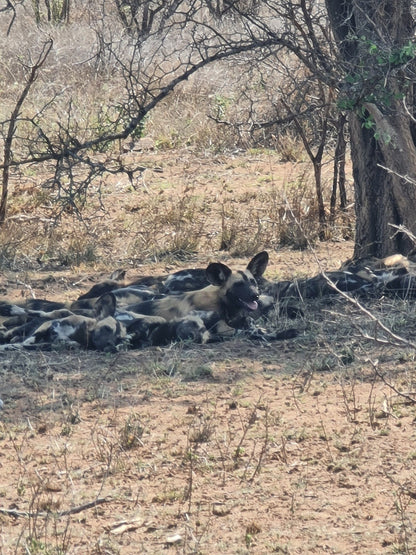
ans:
(44, 514)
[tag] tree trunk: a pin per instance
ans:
(338, 180)
(383, 197)
(374, 39)
(317, 168)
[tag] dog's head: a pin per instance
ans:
(107, 332)
(239, 287)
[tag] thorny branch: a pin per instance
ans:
(153, 70)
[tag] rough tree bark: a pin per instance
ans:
(375, 41)
(338, 179)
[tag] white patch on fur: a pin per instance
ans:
(176, 278)
(29, 341)
(16, 310)
(205, 337)
(63, 330)
(124, 316)
(386, 277)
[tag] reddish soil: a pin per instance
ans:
(301, 446)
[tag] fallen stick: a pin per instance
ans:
(44, 514)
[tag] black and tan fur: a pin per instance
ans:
(100, 331)
(185, 280)
(116, 282)
(231, 294)
(144, 330)
(124, 296)
(137, 316)
(230, 302)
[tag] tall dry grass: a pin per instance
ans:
(170, 215)
(198, 206)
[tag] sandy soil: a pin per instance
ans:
(301, 446)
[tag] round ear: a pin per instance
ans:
(258, 264)
(118, 275)
(217, 273)
(105, 306)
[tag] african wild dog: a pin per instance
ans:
(100, 331)
(190, 328)
(151, 284)
(271, 291)
(18, 328)
(229, 302)
(185, 280)
(232, 297)
(145, 330)
(9, 309)
(124, 296)
(113, 282)
(196, 278)
(230, 294)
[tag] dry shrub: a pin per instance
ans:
(289, 146)
(14, 244)
(187, 117)
(85, 80)
(276, 216)
(22, 249)
(88, 95)
(172, 220)
(211, 113)
(296, 214)
(172, 228)
(243, 234)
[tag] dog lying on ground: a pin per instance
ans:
(233, 295)
(100, 331)
(228, 303)
(144, 331)
(196, 305)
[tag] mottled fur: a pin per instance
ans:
(124, 296)
(139, 316)
(231, 294)
(101, 331)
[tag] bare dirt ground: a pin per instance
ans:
(301, 446)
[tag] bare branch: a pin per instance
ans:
(407, 396)
(7, 157)
(46, 514)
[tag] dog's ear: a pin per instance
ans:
(105, 306)
(258, 264)
(217, 273)
(118, 275)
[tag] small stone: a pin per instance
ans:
(176, 538)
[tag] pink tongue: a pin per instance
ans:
(252, 305)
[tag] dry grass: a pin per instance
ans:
(232, 448)
(238, 204)
(240, 447)
(81, 92)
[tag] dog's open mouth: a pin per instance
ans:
(250, 305)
